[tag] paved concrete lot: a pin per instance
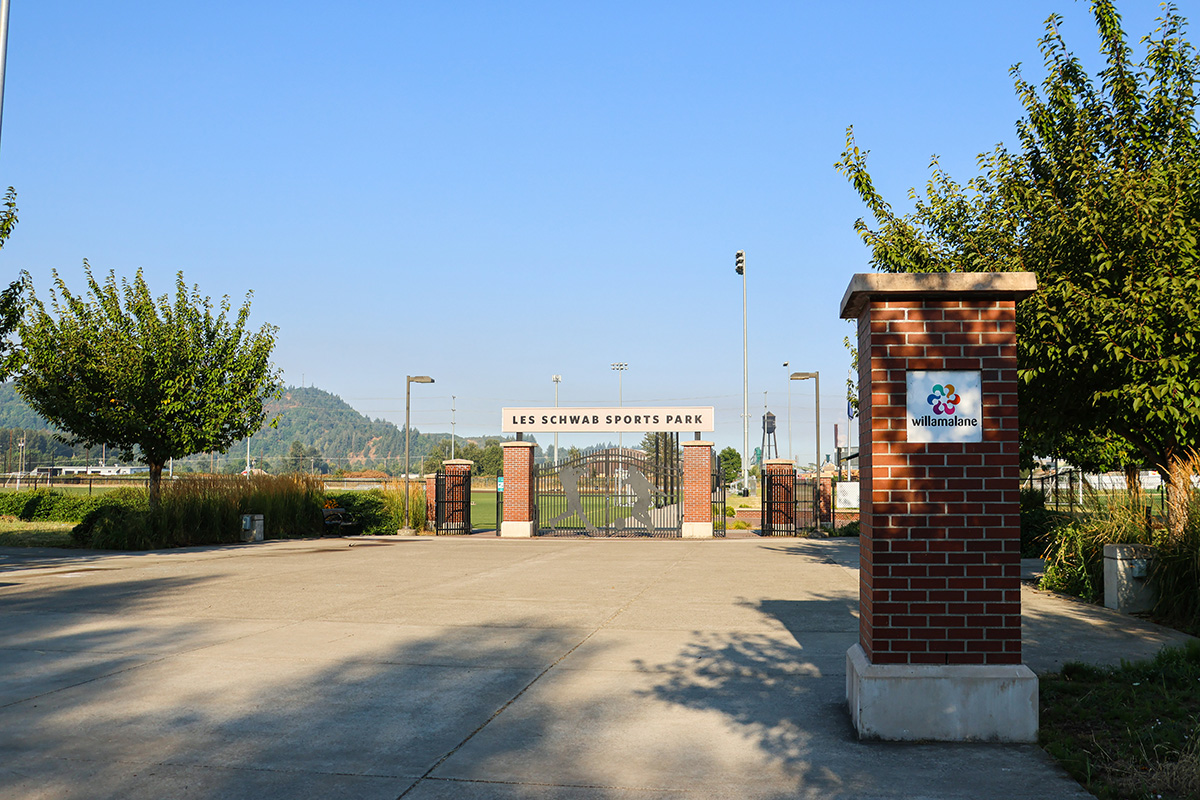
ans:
(475, 668)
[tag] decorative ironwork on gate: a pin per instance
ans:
(452, 501)
(789, 504)
(615, 492)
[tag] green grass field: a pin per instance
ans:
(483, 510)
(18, 533)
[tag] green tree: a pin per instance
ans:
(1102, 201)
(162, 379)
(661, 445)
(12, 299)
(731, 464)
(438, 456)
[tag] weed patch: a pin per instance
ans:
(1128, 732)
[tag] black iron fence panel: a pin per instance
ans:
(615, 492)
(719, 488)
(452, 499)
(790, 504)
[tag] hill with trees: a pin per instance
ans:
(317, 431)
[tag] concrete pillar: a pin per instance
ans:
(518, 492)
(939, 652)
(697, 490)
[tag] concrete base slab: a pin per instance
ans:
(516, 530)
(951, 703)
(697, 530)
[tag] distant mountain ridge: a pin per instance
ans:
(322, 422)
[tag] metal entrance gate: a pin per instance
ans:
(452, 499)
(789, 504)
(616, 492)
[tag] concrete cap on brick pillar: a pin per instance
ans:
(696, 443)
(530, 445)
(458, 462)
(867, 286)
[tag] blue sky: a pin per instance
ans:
(495, 192)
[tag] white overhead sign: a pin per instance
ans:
(944, 406)
(608, 420)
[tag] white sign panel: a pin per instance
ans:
(944, 406)
(608, 420)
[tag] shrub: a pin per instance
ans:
(380, 512)
(851, 528)
(1075, 561)
(50, 506)
(1037, 523)
(740, 525)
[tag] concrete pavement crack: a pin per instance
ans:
(658, 578)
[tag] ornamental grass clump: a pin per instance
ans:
(1075, 551)
(204, 509)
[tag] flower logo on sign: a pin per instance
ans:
(944, 399)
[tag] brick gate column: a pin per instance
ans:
(430, 500)
(939, 652)
(518, 494)
(697, 490)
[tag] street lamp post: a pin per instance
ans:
(791, 458)
(816, 376)
(408, 382)
(739, 260)
(557, 380)
(3, 49)
(620, 368)
(452, 409)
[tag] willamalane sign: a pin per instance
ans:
(625, 419)
(944, 406)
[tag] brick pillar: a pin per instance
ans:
(518, 494)
(939, 583)
(825, 500)
(697, 490)
(783, 494)
(430, 500)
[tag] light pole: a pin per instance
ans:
(557, 380)
(451, 427)
(739, 261)
(620, 368)
(408, 382)
(3, 49)
(816, 376)
(791, 458)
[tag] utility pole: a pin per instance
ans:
(451, 427)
